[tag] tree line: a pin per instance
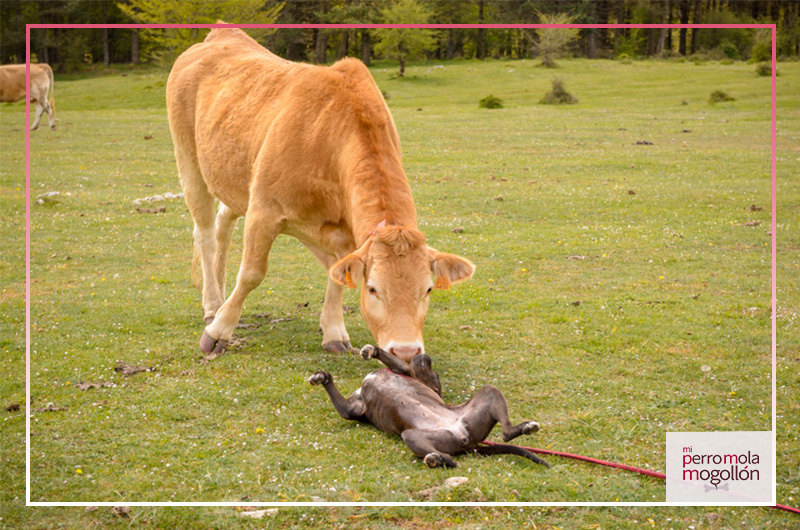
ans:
(71, 50)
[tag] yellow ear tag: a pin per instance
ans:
(348, 281)
(442, 283)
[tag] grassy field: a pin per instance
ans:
(622, 291)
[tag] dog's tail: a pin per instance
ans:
(508, 449)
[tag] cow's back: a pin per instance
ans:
(245, 112)
(12, 81)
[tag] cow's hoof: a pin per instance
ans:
(212, 345)
(319, 378)
(368, 352)
(337, 346)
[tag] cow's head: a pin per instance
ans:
(394, 267)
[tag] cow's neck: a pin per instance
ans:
(381, 198)
(366, 220)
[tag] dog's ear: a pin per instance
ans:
(424, 373)
(421, 361)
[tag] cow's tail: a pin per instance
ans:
(197, 269)
(51, 91)
(508, 449)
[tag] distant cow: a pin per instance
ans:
(12, 88)
(406, 400)
(311, 152)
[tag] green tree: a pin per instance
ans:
(166, 44)
(554, 42)
(449, 12)
(400, 43)
(350, 12)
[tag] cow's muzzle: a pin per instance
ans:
(405, 350)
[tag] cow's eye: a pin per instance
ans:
(430, 289)
(371, 290)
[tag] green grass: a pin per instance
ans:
(608, 274)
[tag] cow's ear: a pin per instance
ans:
(449, 268)
(348, 271)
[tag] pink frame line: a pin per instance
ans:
(400, 26)
(28, 27)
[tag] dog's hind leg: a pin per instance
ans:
(434, 447)
(488, 407)
(352, 408)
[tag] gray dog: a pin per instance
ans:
(406, 400)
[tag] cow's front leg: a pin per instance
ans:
(260, 230)
(331, 320)
(352, 408)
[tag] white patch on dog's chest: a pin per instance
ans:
(459, 429)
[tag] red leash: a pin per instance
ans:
(626, 467)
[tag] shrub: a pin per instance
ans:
(624, 58)
(491, 102)
(718, 96)
(730, 50)
(558, 95)
(765, 69)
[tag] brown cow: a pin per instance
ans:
(307, 151)
(12, 88)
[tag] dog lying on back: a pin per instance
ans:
(406, 400)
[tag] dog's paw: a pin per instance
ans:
(368, 352)
(439, 460)
(433, 460)
(319, 378)
(530, 427)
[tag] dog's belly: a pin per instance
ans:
(396, 403)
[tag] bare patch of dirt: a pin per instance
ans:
(86, 386)
(128, 369)
(50, 408)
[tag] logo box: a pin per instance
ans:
(714, 467)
